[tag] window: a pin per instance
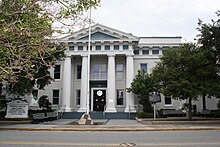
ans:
(79, 71)
(78, 93)
(125, 47)
(120, 97)
(0, 88)
(119, 71)
(136, 52)
(57, 72)
(155, 52)
(56, 94)
(168, 100)
(98, 47)
(80, 48)
(87, 47)
(116, 47)
(99, 71)
(35, 94)
(145, 52)
(107, 47)
(143, 67)
(71, 48)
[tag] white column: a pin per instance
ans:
(83, 84)
(111, 97)
(129, 79)
(67, 83)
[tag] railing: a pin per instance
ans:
(129, 109)
(61, 110)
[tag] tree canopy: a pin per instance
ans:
(142, 85)
(27, 50)
(186, 72)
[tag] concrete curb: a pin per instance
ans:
(113, 129)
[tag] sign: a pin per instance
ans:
(154, 97)
(17, 109)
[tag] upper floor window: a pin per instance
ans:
(57, 72)
(145, 52)
(125, 47)
(79, 71)
(80, 48)
(107, 47)
(136, 52)
(155, 52)
(88, 47)
(143, 67)
(98, 47)
(99, 71)
(116, 47)
(119, 71)
(56, 95)
(71, 48)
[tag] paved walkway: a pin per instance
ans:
(114, 125)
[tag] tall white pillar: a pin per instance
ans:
(111, 96)
(67, 83)
(84, 79)
(129, 79)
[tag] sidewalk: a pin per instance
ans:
(115, 125)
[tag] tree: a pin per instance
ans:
(44, 102)
(142, 85)
(27, 50)
(209, 37)
(186, 72)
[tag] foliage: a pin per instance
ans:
(142, 84)
(44, 102)
(144, 115)
(209, 37)
(187, 72)
(27, 50)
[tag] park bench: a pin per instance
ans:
(52, 115)
(39, 117)
(205, 113)
(170, 113)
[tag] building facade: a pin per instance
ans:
(114, 58)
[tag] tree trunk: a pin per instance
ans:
(190, 109)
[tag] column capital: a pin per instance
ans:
(129, 54)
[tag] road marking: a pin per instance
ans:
(109, 144)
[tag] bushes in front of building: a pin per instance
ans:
(144, 115)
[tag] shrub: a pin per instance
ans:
(145, 115)
(44, 102)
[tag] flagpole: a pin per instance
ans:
(88, 64)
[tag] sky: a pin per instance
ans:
(146, 18)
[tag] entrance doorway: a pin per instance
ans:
(99, 99)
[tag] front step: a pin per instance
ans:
(100, 115)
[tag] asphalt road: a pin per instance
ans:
(105, 139)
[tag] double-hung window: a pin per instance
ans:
(120, 97)
(56, 95)
(143, 67)
(168, 100)
(57, 72)
(78, 94)
(119, 71)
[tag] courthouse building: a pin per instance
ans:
(115, 58)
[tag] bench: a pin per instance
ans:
(205, 113)
(38, 117)
(170, 113)
(52, 115)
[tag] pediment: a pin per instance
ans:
(99, 33)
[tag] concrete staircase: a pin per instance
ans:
(99, 115)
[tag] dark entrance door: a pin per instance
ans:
(99, 100)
